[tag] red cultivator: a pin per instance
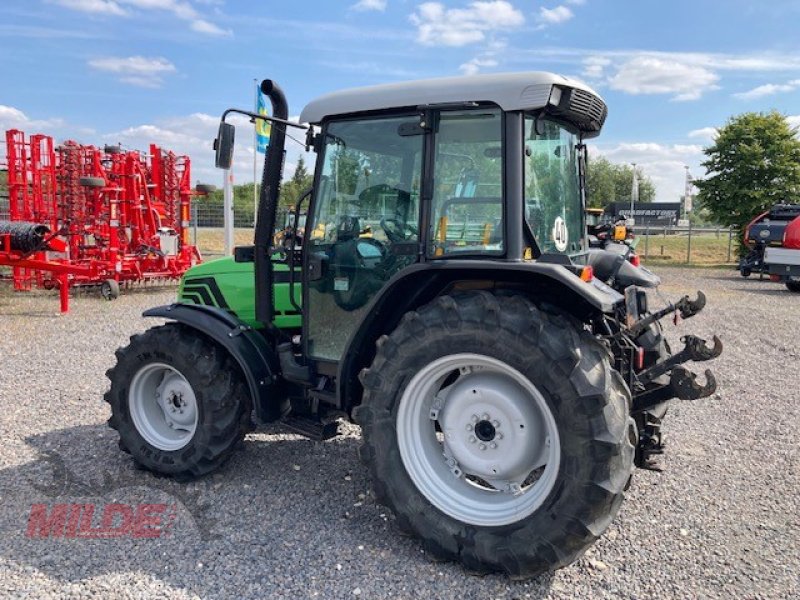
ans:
(80, 215)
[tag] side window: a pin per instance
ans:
(553, 205)
(467, 208)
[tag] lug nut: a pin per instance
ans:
(469, 427)
(496, 423)
(482, 446)
(474, 418)
(499, 436)
(492, 445)
(485, 417)
(472, 439)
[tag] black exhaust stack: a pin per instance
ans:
(268, 203)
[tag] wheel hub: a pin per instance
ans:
(163, 406)
(478, 439)
(485, 431)
(491, 429)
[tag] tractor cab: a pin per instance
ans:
(483, 169)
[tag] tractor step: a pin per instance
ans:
(313, 429)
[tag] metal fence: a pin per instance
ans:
(655, 245)
(707, 245)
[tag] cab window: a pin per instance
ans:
(467, 206)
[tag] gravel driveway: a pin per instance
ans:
(292, 518)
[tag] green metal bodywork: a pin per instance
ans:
(230, 285)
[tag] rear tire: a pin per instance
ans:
(202, 377)
(793, 285)
(555, 367)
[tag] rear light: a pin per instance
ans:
(776, 278)
(639, 358)
(635, 261)
(587, 274)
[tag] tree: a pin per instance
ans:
(292, 189)
(608, 182)
(753, 164)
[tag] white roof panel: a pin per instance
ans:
(510, 91)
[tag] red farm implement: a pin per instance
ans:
(85, 216)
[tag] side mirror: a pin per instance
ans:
(224, 145)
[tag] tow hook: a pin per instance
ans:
(695, 349)
(685, 385)
(686, 307)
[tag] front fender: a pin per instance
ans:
(247, 346)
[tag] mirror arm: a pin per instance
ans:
(253, 115)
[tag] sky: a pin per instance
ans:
(162, 71)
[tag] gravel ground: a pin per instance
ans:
(292, 518)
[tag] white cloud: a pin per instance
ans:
(193, 135)
(181, 9)
(594, 66)
(708, 134)
(472, 67)
(576, 2)
(203, 26)
(664, 164)
(488, 58)
(683, 75)
(96, 7)
(554, 16)
(768, 89)
(654, 75)
(13, 118)
(365, 5)
(441, 26)
(794, 121)
(135, 70)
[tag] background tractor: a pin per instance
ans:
(443, 295)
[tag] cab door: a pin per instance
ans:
(363, 225)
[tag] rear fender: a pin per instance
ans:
(420, 283)
(248, 347)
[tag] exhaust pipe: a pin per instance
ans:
(268, 203)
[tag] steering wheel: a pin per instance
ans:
(397, 231)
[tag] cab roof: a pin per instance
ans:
(567, 98)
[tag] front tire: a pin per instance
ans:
(179, 402)
(504, 366)
(793, 285)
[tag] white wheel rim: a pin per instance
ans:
(163, 406)
(498, 453)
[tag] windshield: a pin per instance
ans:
(553, 205)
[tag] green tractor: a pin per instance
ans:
(441, 294)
